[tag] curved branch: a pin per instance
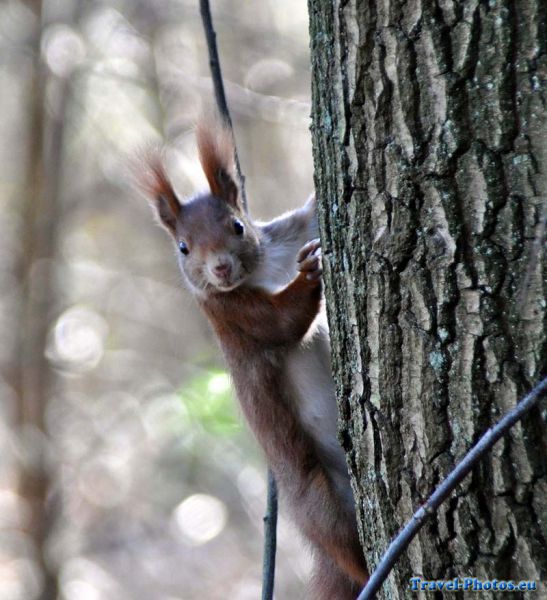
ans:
(479, 450)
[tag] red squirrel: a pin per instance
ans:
(260, 286)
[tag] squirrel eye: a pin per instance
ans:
(238, 227)
(183, 248)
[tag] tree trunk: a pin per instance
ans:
(34, 377)
(429, 144)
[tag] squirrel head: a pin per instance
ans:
(217, 244)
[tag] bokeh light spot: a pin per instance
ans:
(63, 49)
(200, 518)
(219, 383)
(77, 343)
(78, 589)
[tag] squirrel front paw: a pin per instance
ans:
(309, 261)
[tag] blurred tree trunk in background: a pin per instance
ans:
(429, 139)
(41, 215)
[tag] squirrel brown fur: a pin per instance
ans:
(260, 286)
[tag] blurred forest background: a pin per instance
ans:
(125, 470)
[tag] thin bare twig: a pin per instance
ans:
(218, 83)
(270, 540)
(270, 519)
(479, 450)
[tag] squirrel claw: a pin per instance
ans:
(309, 260)
(307, 249)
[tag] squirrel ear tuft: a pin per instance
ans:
(168, 212)
(153, 181)
(216, 154)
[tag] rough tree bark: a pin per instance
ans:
(429, 144)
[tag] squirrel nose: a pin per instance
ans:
(223, 270)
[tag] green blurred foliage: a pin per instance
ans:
(209, 401)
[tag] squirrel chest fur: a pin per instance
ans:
(259, 285)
